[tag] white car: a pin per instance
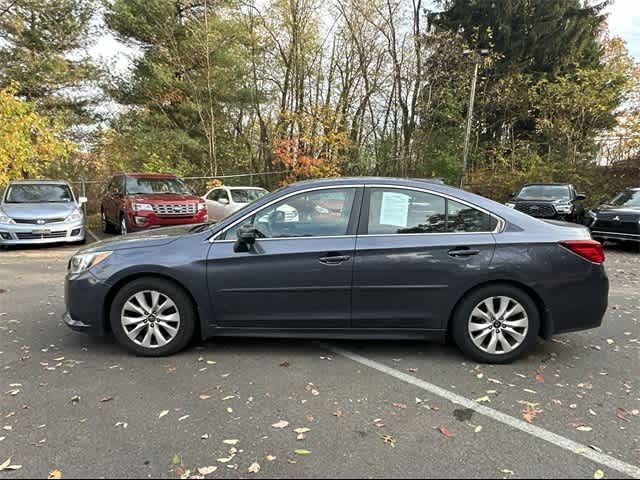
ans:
(223, 201)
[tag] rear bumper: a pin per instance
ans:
(35, 235)
(581, 306)
(617, 236)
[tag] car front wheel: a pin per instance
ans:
(153, 317)
(496, 324)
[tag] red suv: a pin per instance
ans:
(137, 201)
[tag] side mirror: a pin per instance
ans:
(247, 235)
(580, 197)
(82, 200)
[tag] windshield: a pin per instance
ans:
(247, 196)
(545, 192)
(39, 193)
(136, 186)
(629, 199)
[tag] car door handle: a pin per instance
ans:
(463, 252)
(334, 259)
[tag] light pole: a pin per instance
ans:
(477, 59)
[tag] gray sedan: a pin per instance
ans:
(361, 258)
(40, 212)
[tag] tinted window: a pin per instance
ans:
(155, 185)
(39, 193)
(397, 211)
(214, 195)
(405, 211)
(462, 218)
(311, 214)
(247, 196)
(545, 192)
(629, 199)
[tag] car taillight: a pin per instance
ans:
(589, 249)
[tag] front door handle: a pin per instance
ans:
(334, 259)
(463, 252)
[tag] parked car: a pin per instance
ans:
(223, 201)
(619, 219)
(550, 201)
(139, 201)
(39, 212)
(357, 263)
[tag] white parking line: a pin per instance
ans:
(93, 235)
(541, 433)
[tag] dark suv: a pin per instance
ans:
(138, 201)
(550, 202)
(619, 219)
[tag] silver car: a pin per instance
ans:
(39, 212)
(223, 201)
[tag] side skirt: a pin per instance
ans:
(333, 333)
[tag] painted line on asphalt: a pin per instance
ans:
(540, 433)
(93, 235)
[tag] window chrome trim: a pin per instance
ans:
(255, 212)
(499, 229)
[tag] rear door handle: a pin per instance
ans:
(463, 252)
(334, 259)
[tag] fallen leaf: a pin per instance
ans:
(584, 428)
(285, 364)
(302, 451)
(446, 432)
(226, 460)
(598, 475)
(176, 459)
(204, 471)
(401, 406)
(539, 378)
(484, 399)
(530, 413)
(106, 399)
(271, 458)
(163, 413)
(55, 475)
(205, 397)
(302, 430)
(338, 413)
(254, 468)
(231, 442)
(389, 440)
(621, 413)
(478, 429)
(281, 424)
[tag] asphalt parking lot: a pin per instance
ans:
(83, 407)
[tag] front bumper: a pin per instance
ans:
(85, 297)
(26, 234)
(144, 220)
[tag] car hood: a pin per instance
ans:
(149, 238)
(44, 211)
(613, 210)
(166, 198)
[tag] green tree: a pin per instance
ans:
(29, 143)
(43, 48)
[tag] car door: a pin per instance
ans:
(416, 253)
(212, 204)
(299, 275)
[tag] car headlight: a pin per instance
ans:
(202, 206)
(510, 205)
(84, 261)
(75, 216)
(5, 219)
(143, 207)
(564, 208)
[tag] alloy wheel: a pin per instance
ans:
(150, 319)
(498, 325)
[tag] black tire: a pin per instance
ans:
(107, 227)
(184, 306)
(460, 323)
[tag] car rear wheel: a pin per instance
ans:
(496, 324)
(153, 317)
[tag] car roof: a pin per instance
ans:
(148, 175)
(242, 188)
(38, 182)
(542, 184)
